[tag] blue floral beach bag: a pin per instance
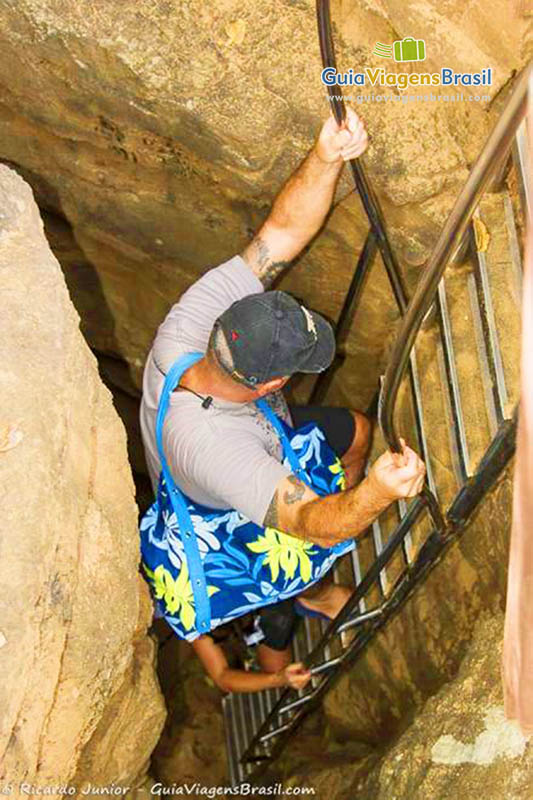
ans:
(206, 567)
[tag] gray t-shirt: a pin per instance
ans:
(228, 455)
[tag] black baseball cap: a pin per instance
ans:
(270, 335)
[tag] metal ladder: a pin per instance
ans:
(408, 540)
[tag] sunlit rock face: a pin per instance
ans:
(79, 696)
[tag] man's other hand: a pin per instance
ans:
(342, 143)
(398, 475)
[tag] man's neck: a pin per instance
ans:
(205, 379)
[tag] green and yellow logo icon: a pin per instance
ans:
(407, 49)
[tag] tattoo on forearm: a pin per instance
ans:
(295, 494)
(271, 519)
(262, 253)
(267, 271)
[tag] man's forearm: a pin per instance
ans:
(304, 201)
(296, 216)
(301, 206)
(295, 508)
(332, 519)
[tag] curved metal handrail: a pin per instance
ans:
(366, 193)
(496, 148)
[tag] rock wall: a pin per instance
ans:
(160, 131)
(79, 696)
(460, 744)
(192, 745)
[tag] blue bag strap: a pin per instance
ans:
(178, 502)
(288, 451)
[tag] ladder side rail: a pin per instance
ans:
(497, 145)
(351, 302)
(366, 193)
(429, 555)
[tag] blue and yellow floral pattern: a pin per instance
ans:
(246, 566)
(284, 553)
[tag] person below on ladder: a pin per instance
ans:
(270, 495)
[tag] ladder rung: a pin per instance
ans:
(256, 759)
(419, 415)
(378, 547)
(452, 380)
(376, 612)
(491, 335)
(407, 544)
(524, 161)
(326, 665)
(356, 566)
(514, 247)
(300, 702)
(231, 741)
(275, 732)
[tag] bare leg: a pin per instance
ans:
(271, 660)
(355, 457)
(327, 598)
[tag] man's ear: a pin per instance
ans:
(271, 386)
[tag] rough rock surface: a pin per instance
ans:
(79, 695)
(460, 744)
(160, 131)
(192, 744)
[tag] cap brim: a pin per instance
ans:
(323, 352)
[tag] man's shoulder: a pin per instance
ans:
(188, 324)
(230, 278)
(187, 418)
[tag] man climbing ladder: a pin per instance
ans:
(256, 500)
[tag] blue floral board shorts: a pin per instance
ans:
(246, 566)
